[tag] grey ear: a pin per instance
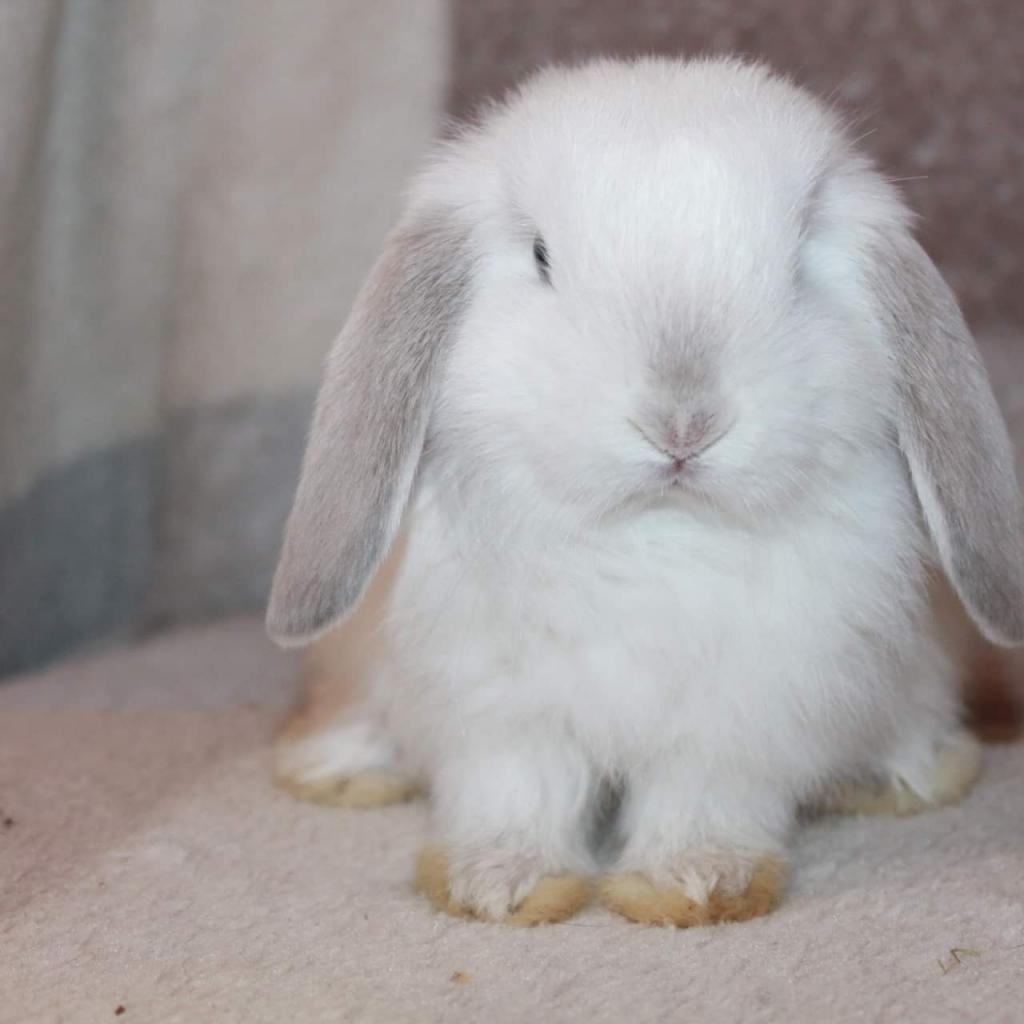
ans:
(954, 438)
(369, 427)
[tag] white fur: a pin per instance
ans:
(354, 747)
(562, 616)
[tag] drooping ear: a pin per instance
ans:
(369, 426)
(953, 437)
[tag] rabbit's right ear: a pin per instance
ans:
(369, 427)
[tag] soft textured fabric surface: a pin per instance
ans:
(147, 864)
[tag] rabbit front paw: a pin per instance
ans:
(493, 886)
(700, 889)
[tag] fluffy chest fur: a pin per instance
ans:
(660, 629)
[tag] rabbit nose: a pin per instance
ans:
(680, 439)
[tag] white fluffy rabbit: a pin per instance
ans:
(645, 434)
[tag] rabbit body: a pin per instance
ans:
(720, 676)
(670, 504)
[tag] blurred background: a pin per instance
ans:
(191, 192)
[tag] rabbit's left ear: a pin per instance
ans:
(953, 436)
(370, 424)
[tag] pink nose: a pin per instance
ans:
(679, 440)
(682, 444)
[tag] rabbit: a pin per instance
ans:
(637, 469)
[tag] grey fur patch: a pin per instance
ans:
(954, 438)
(369, 427)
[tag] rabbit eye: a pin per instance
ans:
(540, 257)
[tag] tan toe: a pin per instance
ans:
(636, 897)
(554, 898)
(368, 789)
(956, 769)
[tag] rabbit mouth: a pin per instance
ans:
(675, 472)
(681, 474)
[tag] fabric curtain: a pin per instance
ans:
(190, 192)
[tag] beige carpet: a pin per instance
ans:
(147, 864)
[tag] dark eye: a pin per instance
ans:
(540, 257)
